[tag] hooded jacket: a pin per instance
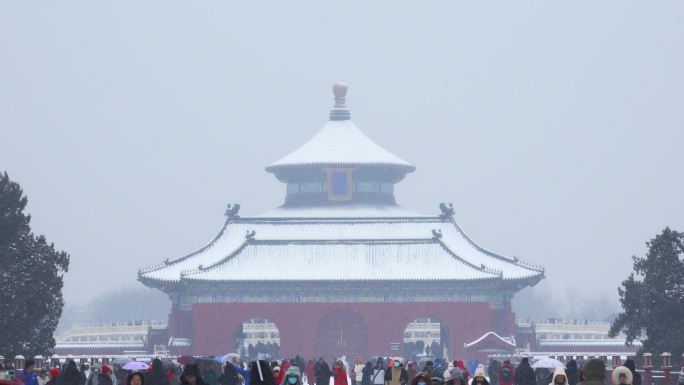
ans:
(621, 370)
(524, 374)
(559, 372)
(292, 374)
(156, 376)
(507, 374)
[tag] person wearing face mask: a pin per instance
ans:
(421, 379)
(480, 378)
(292, 377)
(559, 377)
(396, 374)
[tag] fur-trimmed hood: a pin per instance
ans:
(620, 370)
(559, 372)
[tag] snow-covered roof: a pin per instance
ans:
(344, 260)
(342, 210)
(593, 342)
(288, 247)
(506, 340)
(340, 142)
(100, 345)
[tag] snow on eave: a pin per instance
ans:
(485, 336)
(159, 266)
(514, 260)
(188, 275)
(340, 142)
(482, 268)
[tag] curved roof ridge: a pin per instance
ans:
(490, 253)
(248, 239)
(482, 268)
(168, 262)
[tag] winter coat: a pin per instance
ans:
(543, 376)
(367, 374)
(26, 377)
(245, 373)
(524, 374)
(103, 379)
(594, 372)
(70, 375)
(310, 373)
(266, 373)
(229, 376)
(391, 375)
(493, 372)
(621, 370)
(378, 377)
(323, 373)
(572, 372)
(636, 377)
(358, 372)
(411, 372)
(292, 374)
(156, 376)
(559, 372)
(340, 376)
(506, 374)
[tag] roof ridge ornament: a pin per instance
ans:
(447, 211)
(232, 211)
(339, 111)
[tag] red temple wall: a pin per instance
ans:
(214, 324)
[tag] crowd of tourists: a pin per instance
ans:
(297, 371)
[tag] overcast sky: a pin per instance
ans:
(555, 128)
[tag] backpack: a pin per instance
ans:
(506, 374)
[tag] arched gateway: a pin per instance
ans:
(339, 267)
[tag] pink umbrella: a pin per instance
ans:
(135, 366)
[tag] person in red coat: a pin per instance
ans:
(310, 372)
(340, 374)
(507, 373)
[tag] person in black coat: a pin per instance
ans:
(367, 374)
(323, 373)
(524, 374)
(70, 375)
(493, 371)
(157, 376)
(266, 373)
(571, 372)
(191, 375)
(636, 377)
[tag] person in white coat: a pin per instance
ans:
(357, 375)
(559, 377)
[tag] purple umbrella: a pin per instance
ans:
(135, 366)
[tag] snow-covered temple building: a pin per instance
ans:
(340, 267)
